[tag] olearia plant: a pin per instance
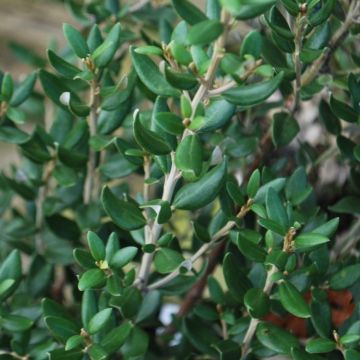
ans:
(188, 184)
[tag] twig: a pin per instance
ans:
(269, 283)
(217, 55)
(232, 83)
(254, 322)
(300, 26)
(138, 5)
(169, 186)
(89, 188)
(203, 249)
(39, 220)
(172, 178)
(335, 42)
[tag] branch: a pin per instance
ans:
(155, 230)
(335, 42)
(203, 249)
(232, 83)
(300, 26)
(172, 178)
(214, 64)
(138, 5)
(39, 220)
(254, 322)
(90, 180)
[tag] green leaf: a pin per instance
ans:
(204, 32)
(275, 209)
(345, 278)
(62, 354)
(278, 23)
(300, 354)
(15, 323)
(331, 122)
(11, 269)
(89, 307)
(150, 75)
(99, 320)
(61, 66)
(217, 115)
(347, 205)
(76, 41)
(180, 80)
(114, 339)
(123, 256)
(180, 53)
(354, 87)
(351, 354)
(321, 317)
(151, 302)
(317, 17)
(200, 193)
(228, 350)
(189, 157)
(235, 279)
(297, 188)
(252, 251)
(251, 44)
(16, 115)
(284, 129)
(7, 87)
(276, 338)
(169, 122)
(343, 111)
(94, 39)
(276, 184)
(167, 260)
(5, 287)
(92, 278)
(328, 229)
(149, 50)
(96, 246)
(200, 335)
(53, 86)
(257, 303)
(149, 140)
(96, 352)
(13, 135)
(254, 94)
(189, 12)
(61, 328)
(247, 9)
(292, 300)
(106, 51)
(125, 214)
(253, 184)
(309, 240)
(349, 339)
(185, 106)
(23, 90)
(318, 346)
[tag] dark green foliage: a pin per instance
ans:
(171, 165)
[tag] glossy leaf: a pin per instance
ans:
(192, 196)
(76, 41)
(150, 75)
(254, 94)
(292, 300)
(125, 214)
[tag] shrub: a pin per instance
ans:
(172, 169)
